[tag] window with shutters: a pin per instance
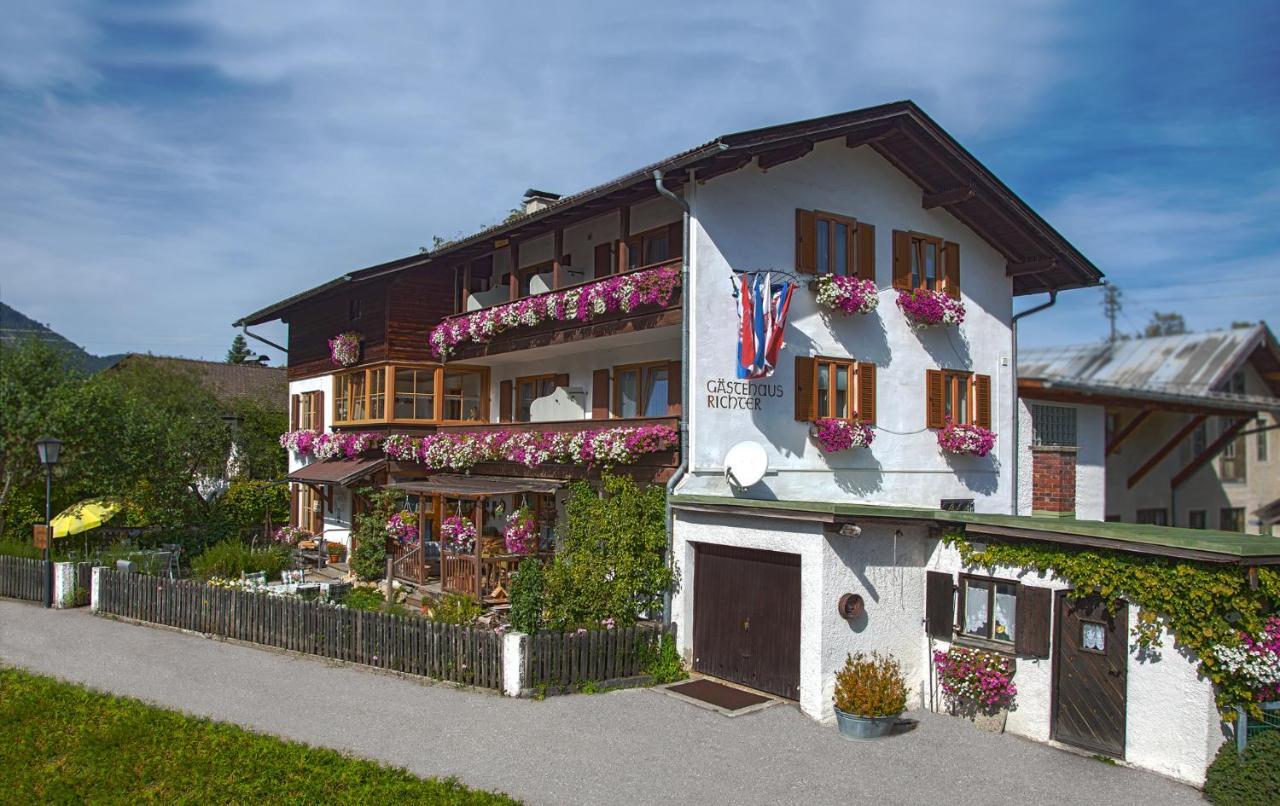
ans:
(925, 262)
(406, 393)
(962, 398)
(839, 388)
(529, 389)
(641, 390)
(988, 608)
(655, 246)
(827, 243)
(310, 416)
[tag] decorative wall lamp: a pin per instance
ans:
(851, 607)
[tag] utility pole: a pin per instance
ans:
(1111, 306)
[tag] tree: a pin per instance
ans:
(1242, 325)
(1165, 324)
(239, 352)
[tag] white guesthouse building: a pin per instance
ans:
(882, 195)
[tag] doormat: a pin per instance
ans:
(718, 694)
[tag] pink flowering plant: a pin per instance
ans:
(323, 445)
(966, 439)
(834, 434)
(521, 532)
(623, 292)
(849, 295)
(1255, 660)
(458, 534)
(927, 308)
(291, 535)
(975, 681)
(402, 527)
(344, 349)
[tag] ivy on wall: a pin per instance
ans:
(1202, 605)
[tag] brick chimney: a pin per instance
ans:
(535, 200)
(1053, 481)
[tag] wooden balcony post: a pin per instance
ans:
(624, 232)
(515, 270)
(557, 250)
(477, 517)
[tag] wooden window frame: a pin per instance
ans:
(1203, 517)
(310, 414)
(860, 245)
(850, 225)
(1141, 512)
(907, 245)
(1235, 512)
(918, 240)
(635, 243)
(525, 380)
(986, 641)
(950, 382)
(616, 388)
(862, 376)
(854, 391)
(389, 394)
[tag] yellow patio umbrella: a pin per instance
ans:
(84, 516)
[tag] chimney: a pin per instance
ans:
(535, 200)
(1053, 481)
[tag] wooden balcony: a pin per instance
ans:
(489, 581)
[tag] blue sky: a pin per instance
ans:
(168, 167)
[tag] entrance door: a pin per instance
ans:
(746, 619)
(1090, 671)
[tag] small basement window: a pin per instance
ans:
(957, 505)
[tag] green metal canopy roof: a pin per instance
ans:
(1195, 544)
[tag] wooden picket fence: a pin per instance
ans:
(23, 578)
(568, 659)
(407, 644)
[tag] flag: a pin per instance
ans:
(762, 320)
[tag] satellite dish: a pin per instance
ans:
(745, 464)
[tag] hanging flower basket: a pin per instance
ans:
(458, 534)
(834, 435)
(967, 440)
(925, 308)
(849, 295)
(521, 533)
(975, 683)
(344, 349)
(402, 527)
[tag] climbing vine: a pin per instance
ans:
(1202, 605)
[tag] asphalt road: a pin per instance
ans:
(625, 747)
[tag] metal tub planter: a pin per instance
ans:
(870, 695)
(864, 728)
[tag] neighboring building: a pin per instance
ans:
(1184, 424)
(229, 383)
(881, 194)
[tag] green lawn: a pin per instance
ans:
(62, 743)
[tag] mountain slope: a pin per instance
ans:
(16, 326)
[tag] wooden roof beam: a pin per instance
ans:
(722, 166)
(1124, 433)
(1208, 453)
(874, 134)
(1165, 450)
(772, 159)
(1034, 266)
(947, 198)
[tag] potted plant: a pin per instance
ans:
(335, 551)
(870, 695)
(977, 685)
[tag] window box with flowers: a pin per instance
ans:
(835, 435)
(977, 685)
(837, 397)
(926, 308)
(926, 272)
(849, 295)
(958, 406)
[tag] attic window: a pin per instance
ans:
(353, 309)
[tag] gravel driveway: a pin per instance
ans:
(625, 747)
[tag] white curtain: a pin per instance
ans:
(1006, 610)
(975, 609)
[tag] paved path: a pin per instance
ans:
(624, 747)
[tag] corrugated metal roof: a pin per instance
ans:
(1190, 363)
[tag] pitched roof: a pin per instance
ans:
(227, 382)
(1039, 257)
(1187, 365)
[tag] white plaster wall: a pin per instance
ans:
(1091, 469)
(337, 522)
(746, 220)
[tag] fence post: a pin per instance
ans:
(514, 647)
(95, 590)
(64, 585)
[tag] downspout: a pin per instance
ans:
(686, 371)
(245, 329)
(1017, 406)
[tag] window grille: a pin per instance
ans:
(957, 505)
(1053, 425)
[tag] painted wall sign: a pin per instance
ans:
(726, 393)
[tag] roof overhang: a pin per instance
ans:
(1114, 396)
(1038, 257)
(337, 471)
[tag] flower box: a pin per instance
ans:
(850, 295)
(977, 685)
(966, 440)
(344, 349)
(925, 308)
(834, 435)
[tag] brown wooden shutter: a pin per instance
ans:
(982, 400)
(867, 392)
(562, 380)
(1032, 621)
(806, 389)
(934, 413)
(939, 613)
(806, 246)
(294, 403)
(951, 268)
(319, 417)
(506, 394)
(675, 239)
(293, 506)
(901, 259)
(674, 380)
(600, 390)
(866, 235)
(604, 260)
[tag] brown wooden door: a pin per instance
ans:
(1090, 674)
(746, 619)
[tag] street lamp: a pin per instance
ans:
(47, 450)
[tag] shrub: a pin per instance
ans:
(871, 686)
(369, 560)
(528, 596)
(1253, 779)
(665, 664)
(231, 558)
(456, 608)
(365, 599)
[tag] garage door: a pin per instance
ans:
(746, 619)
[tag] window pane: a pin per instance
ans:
(975, 607)
(655, 249)
(824, 246)
(915, 263)
(525, 402)
(377, 393)
(628, 394)
(840, 254)
(1093, 636)
(655, 399)
(842, 391)
(930, 264)
(403, 390)
(546, 386)
(1006, 611)
(824, 390)
(962, 399)
(340, 404)
(471, 396)
(948, 397)
(356, 396)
